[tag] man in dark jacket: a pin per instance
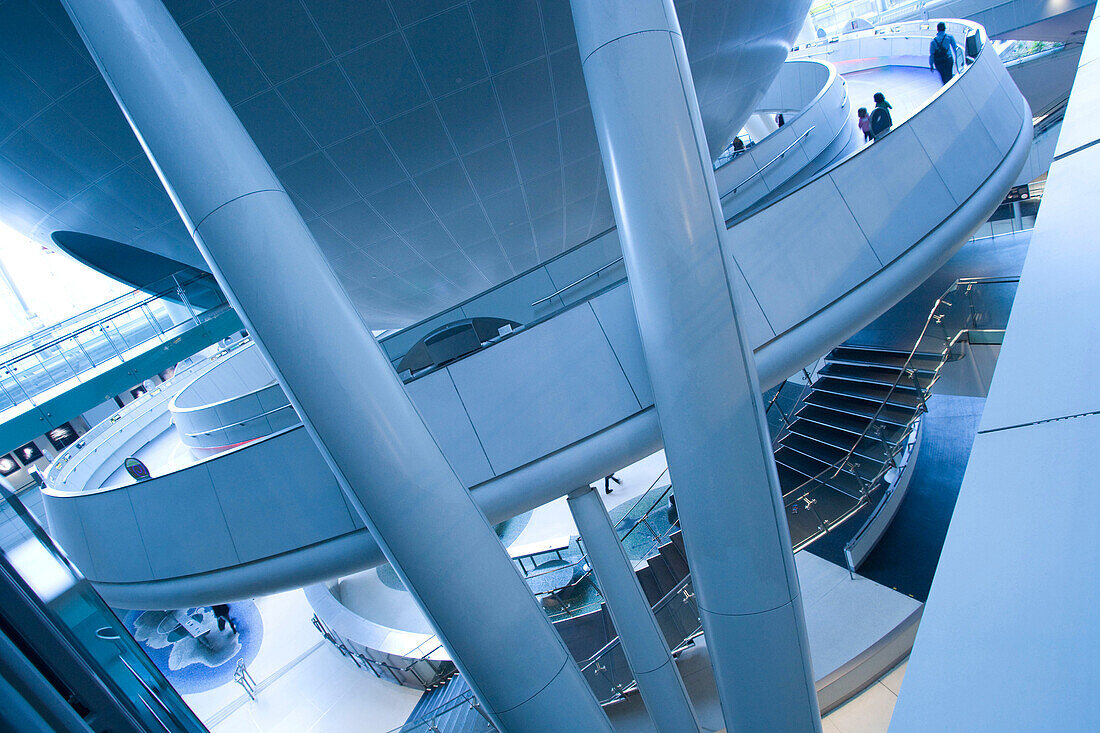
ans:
(942, 52)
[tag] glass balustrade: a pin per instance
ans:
(39, 367)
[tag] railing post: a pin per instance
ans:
(184, 299)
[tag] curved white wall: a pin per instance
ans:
(567, 400)
(235, 401)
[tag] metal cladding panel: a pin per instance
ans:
(525, 394)
(513, 299)
(272, 504)
(956, 122)
(806, 273)
(181, 510)
(118, 554)
(615, 312)
(438, 402)
(895, 203)
(66, 528)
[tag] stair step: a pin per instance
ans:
(865, 467)
(666, 579)
(891, 414)
(876, 374)
(649, 584)
(869, 447)
(846, 422)
(852, 354)
(901, 395)
(677, 539)
(789, 479)
(675, 560)
(812, 467)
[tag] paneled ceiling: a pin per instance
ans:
(434, 147)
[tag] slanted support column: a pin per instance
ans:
(342, 385)
(701, 366)
(663, 692)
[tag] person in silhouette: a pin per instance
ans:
(607, 483)
(221, 612)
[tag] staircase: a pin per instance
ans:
(838, 445)
(449, 708)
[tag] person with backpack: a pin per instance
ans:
(881, 121)
(865, 124)
(942, 52)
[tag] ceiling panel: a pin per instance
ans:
(449, 139)
(446, 188)
(447, 51)
(263, 27)
(419, 140)
(274, 129)
(322, 99)
(367, 162)
(386, 77)
(346, 24)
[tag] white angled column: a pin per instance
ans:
(659, 682)
(336, 376)
(702, 368)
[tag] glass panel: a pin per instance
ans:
(80, 614)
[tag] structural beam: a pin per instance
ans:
(336, 376)
(702, 369)
(659, 682)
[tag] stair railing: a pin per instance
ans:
(441, 670)
(950, 338)
(607, 671)
(429, 720)
(583, 559)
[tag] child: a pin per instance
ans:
(865, 123)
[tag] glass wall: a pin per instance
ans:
(104, 674)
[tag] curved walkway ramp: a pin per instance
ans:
(564, 398)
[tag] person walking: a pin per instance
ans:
(881, 121)
(942, 52)
(607, 483)
(865, 124)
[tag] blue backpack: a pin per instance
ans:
(880, 121)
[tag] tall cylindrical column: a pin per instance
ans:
(701, 366)
(659, 682)
(335, 374)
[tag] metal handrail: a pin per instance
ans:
(764, 167)
(115, 314)
(466, 698)
(839, 465)
(241, 423)
(594, 273)
(94, 309)
(584, 555)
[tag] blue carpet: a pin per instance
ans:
(189, 665)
